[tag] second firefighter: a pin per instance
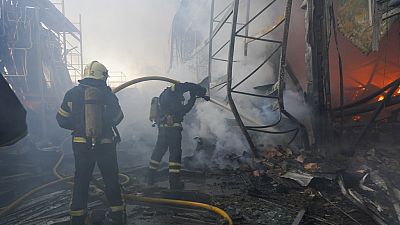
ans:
(171, 111)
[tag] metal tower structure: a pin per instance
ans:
(72, 45)
(240, 30)
(32, 59)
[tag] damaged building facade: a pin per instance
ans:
(307, 93)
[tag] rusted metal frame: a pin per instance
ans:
(81, 44)
(274, 132)
(222, 11)
(229, 80)
(223, 60)
(256, 16)
(378, 111)
(267, 126)
(64, 34)
(224, 83)
(282, 73)
(267, 32)
(302, 128)
(220, 49)
(221, 24)
(212, 31)
(246, 30)
(255, 95)
(259, 39)
(282, 62)
(227, 22)
(256, 69)
(221, 87)
(210, 44)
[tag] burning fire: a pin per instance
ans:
(356, 118)
(380, 98)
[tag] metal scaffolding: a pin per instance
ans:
(72, 46)
(32, 58)
(240, 31)
(116, 78)
(224, 29)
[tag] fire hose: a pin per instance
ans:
(162, 200)
(154, 200)
(131, 197)
(166, 79)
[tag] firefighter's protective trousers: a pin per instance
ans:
(86, 157)
(169, 138)
(72, 116)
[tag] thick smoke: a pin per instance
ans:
(134, 37)
(126, 35)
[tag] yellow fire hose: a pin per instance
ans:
(214, 209)
(142, 79)
(25, 196)
(132, 197)
(217, 210)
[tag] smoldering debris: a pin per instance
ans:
(249, 193)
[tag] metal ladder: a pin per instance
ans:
(240, 31)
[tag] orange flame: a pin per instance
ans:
(380, 98)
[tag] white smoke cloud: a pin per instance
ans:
(126, 35)
(134, 37)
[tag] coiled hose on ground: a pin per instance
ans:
(131, 197)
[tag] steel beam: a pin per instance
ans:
(229, 80)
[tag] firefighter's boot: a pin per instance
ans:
(175, 182)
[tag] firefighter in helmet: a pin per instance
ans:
(171, 110)
(92, 112)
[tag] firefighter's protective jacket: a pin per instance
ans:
(172, 100)
(71, 114)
